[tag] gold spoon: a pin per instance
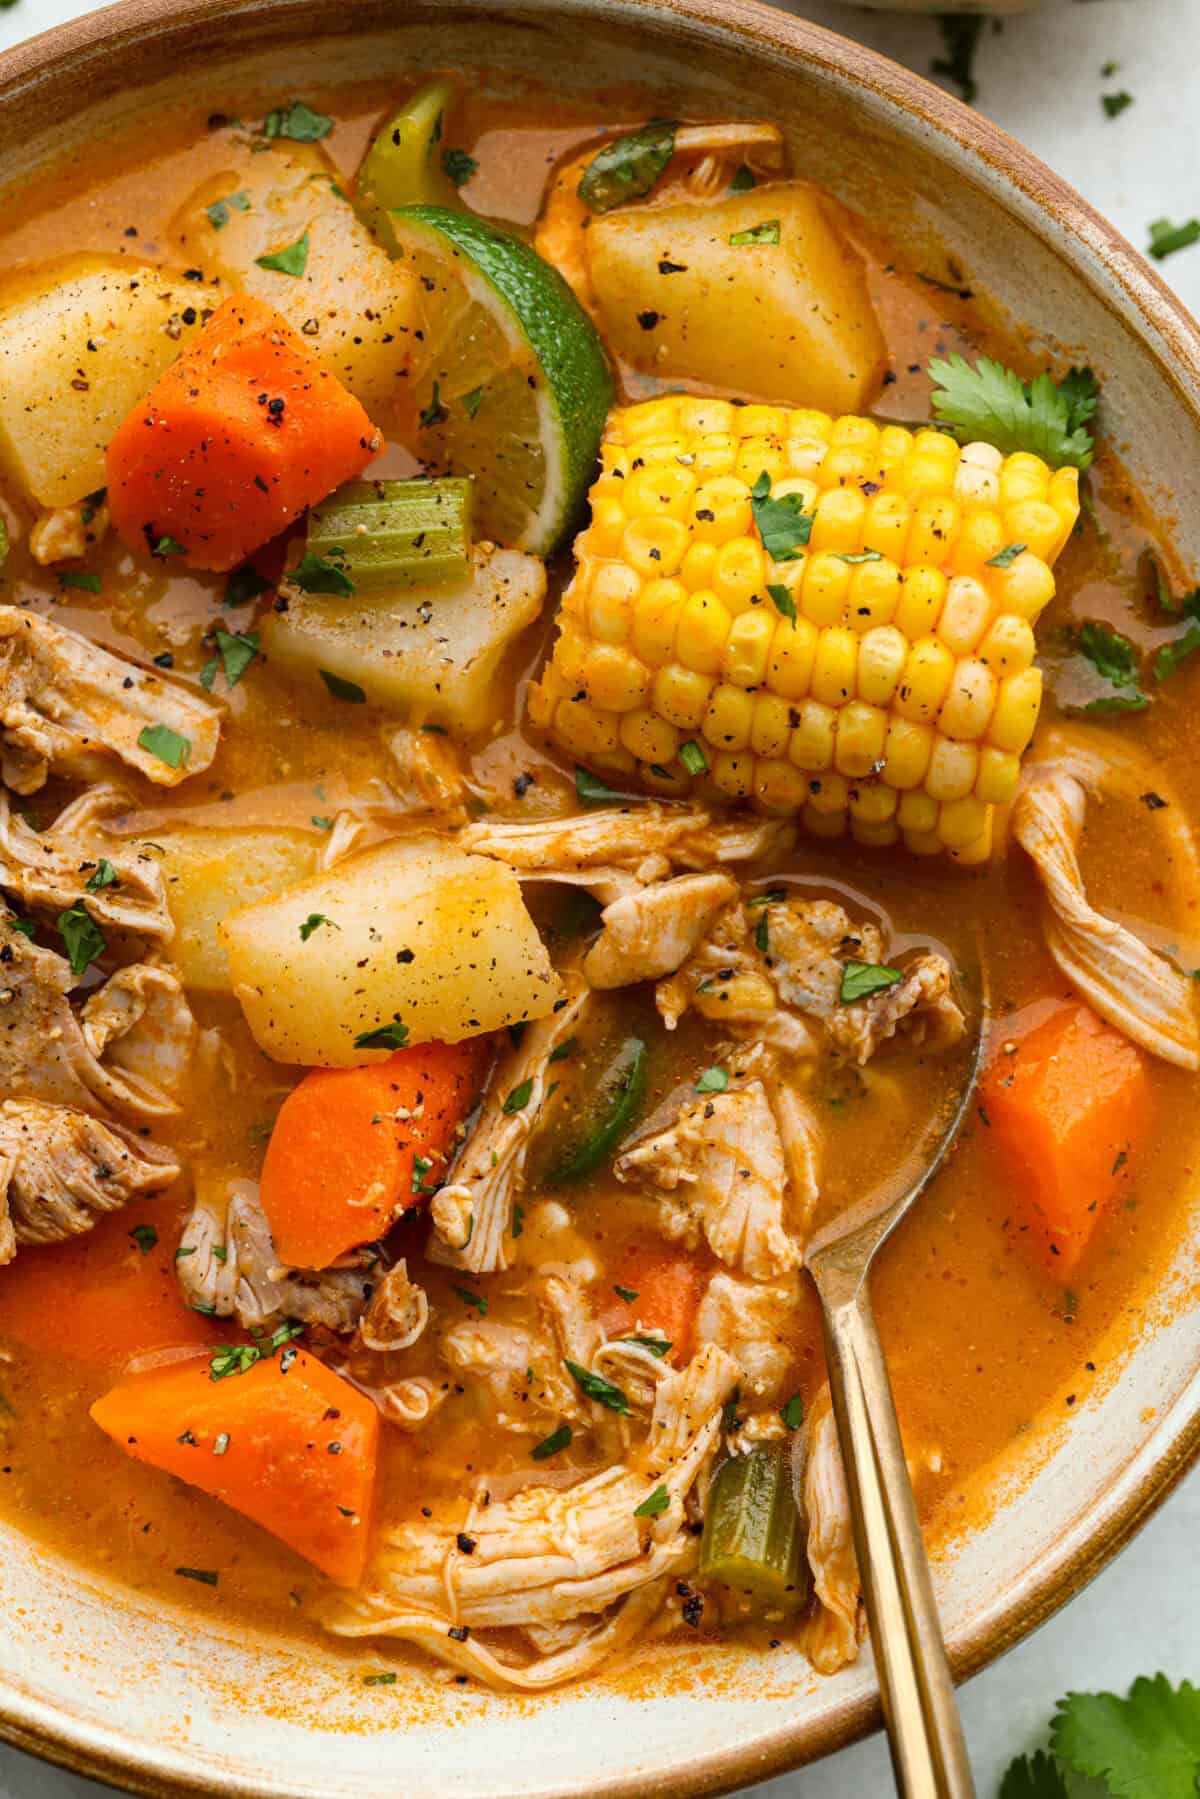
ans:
(929, 1754)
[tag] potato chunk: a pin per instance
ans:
(350, 301)
(210, 874)
(430, 653)
(81, 340)
(413, 935)
(787, 322)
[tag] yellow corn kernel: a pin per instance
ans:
(829, 794)
(701, 417)
(916, 811)
(607, 529)
(860, 737)
(874, 594)
(695, 571)
(927, 477)
(823, 824)
(922, 597)
(793, 651)
(1018, 703)
(1034, 523)
(895, 444)
(778, 787)
(660, 491)
(907, 750)
(585, 729)
(804, 455)
(721, 509)
(701, 633)
(965, 615)
(611, 601)
(717, 455)
(872, 803)
(806, 421)
(925, 681)
(656, 620)
(962, 822)
(968, 706)
(667, 780)
(882, 654)
(853, 433)
(981, 536)
(835, 667)
(953, 769)
(979, 849)
(650, 738)
(652, 419)
(845, 466)
(770, 725)
(838, 522)
(748, 647)
(811, 746)
(681, 696)
(542, 699)
(1064, 497)
(727, 721)
(615, 680)
(654, 546)
(999, 774)
(923, 843)
(886, 526)
(739, 572)
(1023, 477)
(759, 456)
(934, 529)
(745, 993)
(1008, 646)
(1025, 587)
(976, 481)
(826, 589)
(733, 775)
(760, 421)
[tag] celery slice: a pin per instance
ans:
(388, 534)
(752, 1529)
(403, 165)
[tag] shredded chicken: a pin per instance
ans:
(65, 533)
(49, 870)
(522, 1367)
(397, 1314)
(67, 707)
(921, 1001)
(428, 778)
(646, 841)
(226, 1265)
(61, 1169)
(472, 1213)
(120, 1052)
(1139, 992)
(649, 933)
(831, 1640)
(571, 1567)
(721, 1174)
(754, 1322)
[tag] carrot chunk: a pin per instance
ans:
(667, 1289)
(1068, 1112)
(107, 1296)
(234, 441)
(288, 1443)
(353, 1147)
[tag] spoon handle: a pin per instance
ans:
(928, 1751)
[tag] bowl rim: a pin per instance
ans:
(1171, 337)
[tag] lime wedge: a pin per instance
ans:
(515, 384)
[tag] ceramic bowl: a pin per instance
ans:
(161, 1701)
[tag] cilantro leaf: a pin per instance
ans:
(1166, 238)
(743, 179)
(1114, 104)
(166, 744)
(691, 754)
(244, 584)
(298, 122)
(384, 1036)
(458, 166)
(1146, 1746)
(519, 1098)
(79, 578)
(82, 937)
(291, 260)
(1033, 1778)
(237, 650)
(145, 1236)
(1171, 656)
(218, 212)
(991, 403)
(341, 689)
(597, 1388)
(783, 524)
(316, 574)
(313, 922)
(784, 602)
(766, 233)
(105, 876)
(653, 1504)
(713, 1080)
(861, 979)
(628, 167)
(792, 1412)
(436, 413)
(591, 790)
(1115, 660)
(558, 1439)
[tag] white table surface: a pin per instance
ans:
(1039, 77)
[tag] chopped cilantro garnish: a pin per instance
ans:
(145, 1236)
(1007, 556)
(628, 167)
(743, 179)
(784, 602)
(218, 212)
(658, 1346)
(861, 979)
(792, 1412)
(628, 1294)
(596, 1387)
(206, 1576)
(471, 1298)
(84, 582)
(341, 689)
(458, 165)
(519, 1098)
(1115, 660)
(558, 1439)
(713, 1080)
(435, 413)
(472, 401)
(299, 122)
(291, 260)
(244, 584)
(766, 233)
(166, 744)
(313, 922)
(104, 875)
(237, 650)
(167, 546)
(783, 524)
(653, 1504)
(82, 937)
(1114, 104)
(691, 754)
(384, 1036)
(1166, 238)
(591, 790)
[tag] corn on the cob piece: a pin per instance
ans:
(898, 701)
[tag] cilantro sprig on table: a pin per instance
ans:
(986, 401)
(1145, 1746)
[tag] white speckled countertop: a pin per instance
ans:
(1040, 77)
